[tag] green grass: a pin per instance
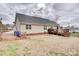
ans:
(15, 50)
(74, 34)
(11, 50)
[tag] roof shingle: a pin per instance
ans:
(25, 19)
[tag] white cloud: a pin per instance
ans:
(67, 12)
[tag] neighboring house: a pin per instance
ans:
(3, 28)
(74, 29)
(32, 24)
(9, 26)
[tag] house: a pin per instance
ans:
(3, 28)
(32, 24)
(9, 26)
(74, 29)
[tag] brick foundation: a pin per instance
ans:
(36, 33)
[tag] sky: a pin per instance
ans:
(65, 14)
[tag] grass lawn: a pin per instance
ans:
(13, 49)
(41, 45)
(74, 34)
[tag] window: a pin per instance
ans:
(28, 26)
(45, 27)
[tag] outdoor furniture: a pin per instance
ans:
(59, 31)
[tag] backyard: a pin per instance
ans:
(40, 45)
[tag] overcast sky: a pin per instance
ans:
(63, 13)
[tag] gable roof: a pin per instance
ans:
(26, 19)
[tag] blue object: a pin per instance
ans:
(17, 33)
